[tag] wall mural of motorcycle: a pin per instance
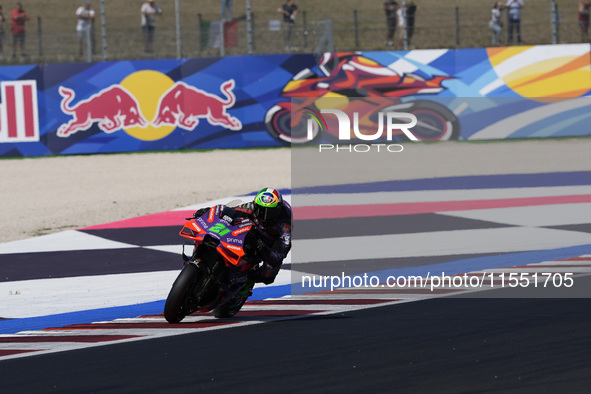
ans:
(351, 75)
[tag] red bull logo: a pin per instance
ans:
(128, 106)
(113, 108)
(183, 105)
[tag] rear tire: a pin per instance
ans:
(435, 122)
(177, 305)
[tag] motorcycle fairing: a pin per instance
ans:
(219, 224)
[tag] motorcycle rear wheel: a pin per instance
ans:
(177, 303)
(435, 122)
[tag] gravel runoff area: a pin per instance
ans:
(46, 195)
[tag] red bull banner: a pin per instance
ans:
(141, 106)
(240, 102)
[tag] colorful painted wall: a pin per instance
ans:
(514, 92)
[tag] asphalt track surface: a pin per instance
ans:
(437, 345)
(434, 345)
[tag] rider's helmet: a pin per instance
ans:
(267, 205)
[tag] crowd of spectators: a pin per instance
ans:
(400, 23)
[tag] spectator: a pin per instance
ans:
(149, 11)
(411, 10)
(495, 23)
(19, 16)
(406, 21)
(289, 11)
(85, 15)
(390, 7)
(401, 21)
(514, 19)
(2, 20)
(583, 19)
(227, 6)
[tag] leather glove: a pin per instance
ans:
(261, 246)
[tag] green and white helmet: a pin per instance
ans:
(267, 205)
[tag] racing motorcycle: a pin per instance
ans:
(348, 77)
(213, 278)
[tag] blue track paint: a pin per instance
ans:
(13, 326)
(459, 182)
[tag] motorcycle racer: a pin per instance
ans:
(272, 218)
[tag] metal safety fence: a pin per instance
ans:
(187, 28)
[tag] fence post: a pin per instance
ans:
(177, 17)
(254, 24)
(405, 31)
(249, 34)
(39, 36)
(329, 36)
(103, 30)
(305, 27)
(200, 30)
(356, 24)
(93, 37)
(88, 45)
(555, 21)
(458, 26)
(222, 43)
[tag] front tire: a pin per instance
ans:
(278, 122)
(177, 304)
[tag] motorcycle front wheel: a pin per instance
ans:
(278, 122)
(177, 304)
